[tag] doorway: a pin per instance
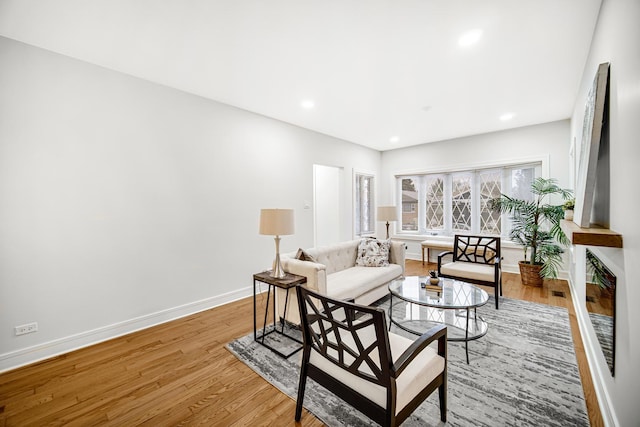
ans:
(327, 204)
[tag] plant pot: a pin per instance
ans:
(568, 215)
(530, 274)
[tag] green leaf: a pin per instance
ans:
(536, 223)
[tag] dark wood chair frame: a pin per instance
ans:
(338, 319)
(478, 250)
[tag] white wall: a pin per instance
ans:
(124, 203)
(547, 142)
(616, 40)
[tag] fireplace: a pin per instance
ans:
(601, 305)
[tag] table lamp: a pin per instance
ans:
(277, 222)
(387, 213)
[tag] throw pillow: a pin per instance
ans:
(373, 253)
(303, 256)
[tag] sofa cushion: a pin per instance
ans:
(355, 281)
(373, 253)
(336, 257)
(304, 256)
(469, 270)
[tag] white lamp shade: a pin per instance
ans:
(387, 213)
(276, 222)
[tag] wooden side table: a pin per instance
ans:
(289, 282)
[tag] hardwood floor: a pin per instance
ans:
(179, 373)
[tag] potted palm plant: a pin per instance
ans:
(536, 226)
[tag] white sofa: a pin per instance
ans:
(335, 273)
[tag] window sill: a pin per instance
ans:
(505, 243)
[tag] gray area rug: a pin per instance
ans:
(522, 373)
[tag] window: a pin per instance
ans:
(458, 202)
(364, 218)
(409, 204)
(490, 188)
(435, 202)
(461, 202)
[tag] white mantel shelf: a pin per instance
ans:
(592, 236)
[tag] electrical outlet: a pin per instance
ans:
(27, 329)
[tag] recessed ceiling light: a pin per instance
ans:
(469, 38)
(308, 104)
(394, 139)
(507, 116)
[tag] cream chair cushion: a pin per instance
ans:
(420, 372)
(469, 270)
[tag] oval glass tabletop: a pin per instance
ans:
(452, 293)
(453, 303)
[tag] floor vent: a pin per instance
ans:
(589, 298)
(558, 294)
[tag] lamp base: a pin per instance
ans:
(277, 272)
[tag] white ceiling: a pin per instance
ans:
(374, 68)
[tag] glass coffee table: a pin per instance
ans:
(412, 308)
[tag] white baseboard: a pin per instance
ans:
(36, 353)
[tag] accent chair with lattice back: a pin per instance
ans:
(476, 259)
(349, 351)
